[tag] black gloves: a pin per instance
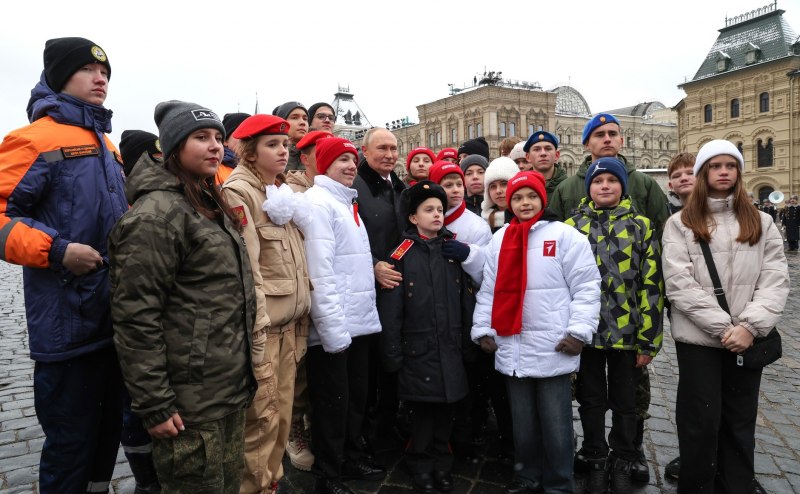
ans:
(455, 250)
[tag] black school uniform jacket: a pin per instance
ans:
(426, 321)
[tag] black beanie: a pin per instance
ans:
(285, 109)
(177, 119)
(232, 121)
(133, 144)
(475, 146)
(316, 106)
(64, 56)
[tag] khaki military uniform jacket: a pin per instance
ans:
(277, 256)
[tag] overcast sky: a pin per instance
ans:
(393, 55)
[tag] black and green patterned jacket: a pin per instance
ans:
(632, 287)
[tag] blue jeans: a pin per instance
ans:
(79, 406)
(541, 411)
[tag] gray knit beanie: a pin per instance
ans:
(473, 159)
(177, 119)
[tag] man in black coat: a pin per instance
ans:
(379, 190)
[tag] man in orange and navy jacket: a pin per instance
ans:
(61, 191)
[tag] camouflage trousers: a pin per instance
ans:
(203, 459)
(642, 393)
(268, 419)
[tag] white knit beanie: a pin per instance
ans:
(716, 148)
(502, 168)
(517, 152)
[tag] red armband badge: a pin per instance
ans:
(401, 249)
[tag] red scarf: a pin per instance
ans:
(456, 214)
(509, 288)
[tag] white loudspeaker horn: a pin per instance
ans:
(776, 197)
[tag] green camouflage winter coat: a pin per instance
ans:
(182, 304)
(559, 175)
(645, 193)
(632, 287)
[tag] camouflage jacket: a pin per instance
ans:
(182, 304)
(559, 175)
(632, 287)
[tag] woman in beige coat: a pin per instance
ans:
(275, 246)
(717, 399)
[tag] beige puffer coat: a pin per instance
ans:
(755, 278)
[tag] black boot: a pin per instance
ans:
(598, 476)
(640, 470)
(144, 472)
(621, 482)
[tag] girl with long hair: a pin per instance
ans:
(717, 398)
(270, 214)
(183, 306)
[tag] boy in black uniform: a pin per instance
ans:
(426, 322)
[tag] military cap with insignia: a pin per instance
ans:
(540, 136)
(595, 122)
(312, 137)
(261, 125)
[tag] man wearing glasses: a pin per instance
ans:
(322, 117)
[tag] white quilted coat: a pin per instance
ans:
(339, 267)
(562, 297)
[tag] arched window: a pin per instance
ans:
(453, 136)
(764, 153)
(480, 130)
(502, 129)
(530, 129)
(734, 108)
(439, 138)
(763, 102)
(471, 131)
(431, 142)
(512, 129)
(706, 113)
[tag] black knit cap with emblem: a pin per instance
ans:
(64, 56)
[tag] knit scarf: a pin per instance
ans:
(512, 277)
(456, 214)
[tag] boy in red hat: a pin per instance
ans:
(537, 307)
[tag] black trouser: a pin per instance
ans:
(337, 384)
(716, 413)
(595, 396)
(430, 435)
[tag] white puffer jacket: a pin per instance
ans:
(339, 267)
(755, 278)
(562, 297)
(473, 230)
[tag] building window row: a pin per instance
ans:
(763, 107)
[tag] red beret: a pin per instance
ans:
(416, 151)
(532, 179)
(331, 148)
(311, 138)
(261, 125)
(447, 153)
(441, 169)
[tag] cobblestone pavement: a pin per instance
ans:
(777, 436)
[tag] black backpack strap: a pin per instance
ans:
(712, 271)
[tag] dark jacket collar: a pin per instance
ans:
(67, 110)
(375, 182)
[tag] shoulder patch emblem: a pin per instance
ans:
(549, 248)
(79, 151)
(239, 211)
(401, 249)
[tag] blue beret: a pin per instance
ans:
(607, 165)
(538, 137)
(595, 122)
